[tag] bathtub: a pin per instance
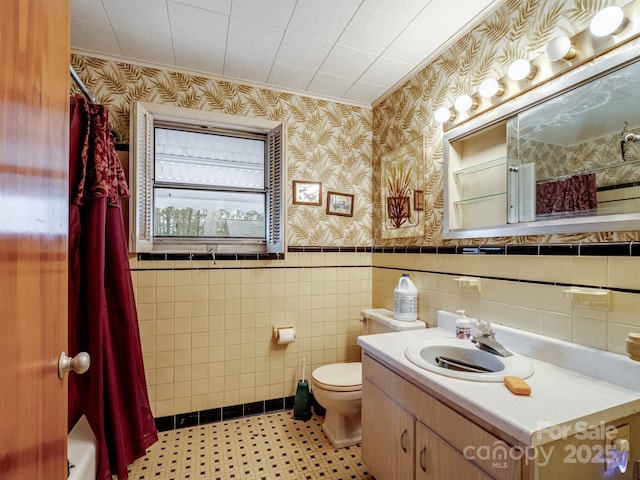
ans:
(82, 451)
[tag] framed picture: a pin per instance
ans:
(339, 204)
(418, 200)
(307, 193)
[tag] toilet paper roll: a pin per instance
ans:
(285, 335)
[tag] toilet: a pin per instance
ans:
(337, 387)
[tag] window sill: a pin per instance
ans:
(208, 256)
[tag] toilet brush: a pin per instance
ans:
(302, 402)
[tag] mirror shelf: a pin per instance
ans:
(505, 170)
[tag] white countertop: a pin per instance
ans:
(562, 403)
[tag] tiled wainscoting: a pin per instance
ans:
(522, 286)
(206, 327)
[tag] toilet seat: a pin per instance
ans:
(339, 377)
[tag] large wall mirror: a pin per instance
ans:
(563, 159)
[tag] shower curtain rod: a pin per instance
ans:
(81, 85)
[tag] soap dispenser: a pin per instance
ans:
(463, 326)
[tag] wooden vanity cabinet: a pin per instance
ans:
(390, 430)
(437, 459)
(408, 434)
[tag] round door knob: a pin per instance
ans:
(78, 364)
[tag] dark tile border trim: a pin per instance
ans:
(329, 249)
(613, 249)
(214, 415)
(257, 256)
(206, 256)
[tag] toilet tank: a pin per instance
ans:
(380, 320)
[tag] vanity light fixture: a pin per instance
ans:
(464, 103)
(521, 70)
(608, 21)
(490, 88)
(444, 114)
(560, 48)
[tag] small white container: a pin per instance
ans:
(463, 326)
(405, 300)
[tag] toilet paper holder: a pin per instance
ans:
(284, 334)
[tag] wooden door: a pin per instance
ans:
(387, 436)
(437, 460)
(34, 142)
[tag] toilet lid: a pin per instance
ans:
(339, 376)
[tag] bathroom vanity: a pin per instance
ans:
(423, 425)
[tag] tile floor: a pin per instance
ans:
(262, 447)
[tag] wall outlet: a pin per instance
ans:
(622, 432)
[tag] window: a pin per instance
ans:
(204, 182)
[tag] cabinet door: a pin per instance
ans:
(388, 436)
(436, 460)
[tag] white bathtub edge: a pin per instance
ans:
(82, 451)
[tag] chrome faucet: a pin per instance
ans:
(486, 339)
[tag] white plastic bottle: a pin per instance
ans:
(463, 326)
(405, 300)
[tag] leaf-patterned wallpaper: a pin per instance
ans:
(518, 28)
(327, 142)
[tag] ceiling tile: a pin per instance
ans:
(247, 68)
(148, 48)
(324, 19)
(145, 16)
(94, 38)
(347, 62)
(218, 6)
(330, 85)
(371, 31)
(411, 46)
(438, 17)
(401, 9)
(365, 92)
(303, 51)
(290, 76)
(250, 39)
(320, 47)
(201, 58)
(385, 72)
(273, 12)
(89, 11)
(197, 26)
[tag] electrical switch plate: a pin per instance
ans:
(623, 432)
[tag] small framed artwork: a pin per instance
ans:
(307, 193)
(339, 204)
(418, 200)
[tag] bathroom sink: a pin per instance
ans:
(461, 359)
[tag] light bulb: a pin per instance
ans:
(608, 21)
(490, 88)
(520, 70)
(560, 48)
(443, 114)
(464, 102)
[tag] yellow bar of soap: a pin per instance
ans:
(517, 385)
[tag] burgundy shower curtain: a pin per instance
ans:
(576, 194)
(102, 313)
